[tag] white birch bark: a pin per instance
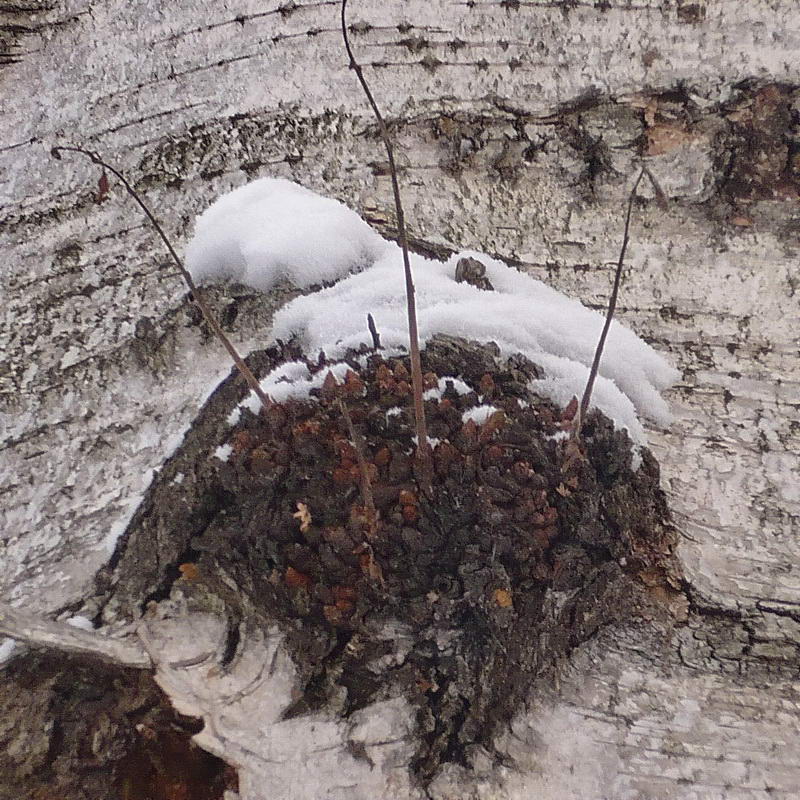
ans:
(507, 109)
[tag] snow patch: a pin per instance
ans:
(478, 414)
(433, 441)
(272, 228)
(223, 452)
(459, 386)
(456, 384)
(84, 623)
(521, 316)
(293, 380)
(127, 510)
(7, 648)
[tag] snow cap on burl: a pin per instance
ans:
(272, 229)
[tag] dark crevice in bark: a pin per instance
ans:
(87, 730)
(753, 144)
(18, 21)
(735, 641)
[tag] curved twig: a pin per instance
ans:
(612, 305)
(196, 294)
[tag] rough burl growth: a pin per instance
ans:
(458, 599)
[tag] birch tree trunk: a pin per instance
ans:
(519, 127)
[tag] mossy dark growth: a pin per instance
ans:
(81, 730)
(460, 598)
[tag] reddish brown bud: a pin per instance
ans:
(260, 460)
(347, 593)
(408, 498)
(329, 387)
(345, 607)
(189, 571)
(384, 378)
(297, 580)
(486, 385)
(342, 476)
(521, 470)
(333, 615)
(383, 457)
(309, 426)
(353, 385)
(410, 513)
(571, 409)
(400, 372)
(241, 441)
(494, 453)
(470, 429)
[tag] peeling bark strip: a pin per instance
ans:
(40, 632)
(458, 600)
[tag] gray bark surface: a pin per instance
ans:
(519, 126)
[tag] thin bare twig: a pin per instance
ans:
(40, 632)
(612, 304)
(424, 453)
(366, 484)
(376, 337)
(196, 294)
